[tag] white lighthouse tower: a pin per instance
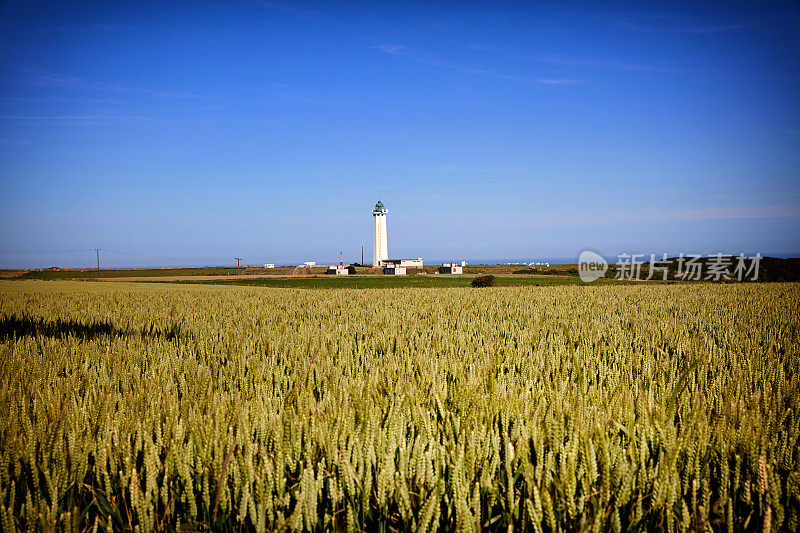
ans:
(380, 250)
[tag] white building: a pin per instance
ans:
(405, 263)
(338, 270)
(451, 268)
(395, 270)
(269, 265)
(380, 248)
(310, 263)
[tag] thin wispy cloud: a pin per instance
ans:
(615, 218)
(557, 59)
(449, 168)
(427, 59)
(53, 117)
(687, 29)
(484, 47)
(559, 81)
(682, 24)
(57, 80)
(107, 27)
(106, 120)
(602, 63)
(71, 28)
(421, 57)
(295, 10)
(390, 48)
(709, 213)
(727, 213)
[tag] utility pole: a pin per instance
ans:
(362, 255)
(98, 261)
(237, 263)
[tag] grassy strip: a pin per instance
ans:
(389, 282)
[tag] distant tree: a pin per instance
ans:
(351, 269)
(483, 281)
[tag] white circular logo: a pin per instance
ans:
(591, 266)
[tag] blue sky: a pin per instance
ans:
(192, 133)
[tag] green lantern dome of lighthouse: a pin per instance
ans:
(379, 206)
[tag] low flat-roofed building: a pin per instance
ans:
(338, 270)
(394, 271)
(269, 265)
(405, 263)
(310, 263)
(451, 268)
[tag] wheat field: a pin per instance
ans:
(139, 407)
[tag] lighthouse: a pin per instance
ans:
(380, 249)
